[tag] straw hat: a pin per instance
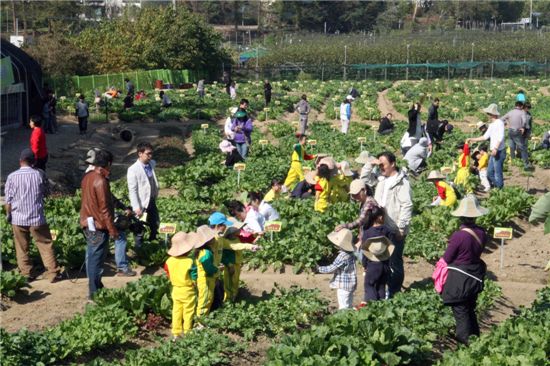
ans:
(311, 177)
(469, 207)
(378, 249)
(435, 175)
(343, 239)
(364, 158)
(328, 161)
(233, 110)
(492, 109)
(480, 124)
(203, 235)
(344, 167)
(182, 243)
(356, 186)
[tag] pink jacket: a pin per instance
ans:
(440, 275)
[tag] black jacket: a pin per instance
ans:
(413, 113)
(459, 286)
(385, 125)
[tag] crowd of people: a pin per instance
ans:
(197, 259)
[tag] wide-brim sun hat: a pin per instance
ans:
(378, 249)
(349, 97)
(233, 229)
(344, 167)
(492, 109)
(311, 177)
(364, 158)
(233, 110)
(469, 207)
(182, 243)
(356, 186)
(435, 175)
(203, 235)
(342, 239)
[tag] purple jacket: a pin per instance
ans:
(242, 136)
(463, 248)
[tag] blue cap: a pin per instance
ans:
(217, 218)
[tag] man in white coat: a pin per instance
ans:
(394, 193)
(143, 189)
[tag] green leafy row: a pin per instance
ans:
(520, 340)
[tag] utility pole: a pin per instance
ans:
(408, 46)
(345, 60)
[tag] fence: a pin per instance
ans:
(140, 79)
(386, 71)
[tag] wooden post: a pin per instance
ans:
(492, 68)
(448, 69)
(386, 71)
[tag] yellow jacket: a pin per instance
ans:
(178, 269)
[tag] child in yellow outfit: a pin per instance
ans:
(275, 191)
(322, 188)
(340, 183)
(446, 195)
(463, 165)
(482, 167)
(210, 259)
(179, 270)
(296, 172)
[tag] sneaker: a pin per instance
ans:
(127, 273)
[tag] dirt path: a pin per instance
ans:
(385, 106)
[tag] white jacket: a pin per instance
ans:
(398, 203)
(139, 188)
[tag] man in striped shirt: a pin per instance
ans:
(25, 191)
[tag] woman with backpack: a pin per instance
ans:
(465, 270)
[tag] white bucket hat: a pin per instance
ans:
(492, 109)
(364, 158)
(344, 167)
(349, 97)
(469, 207)
(378, 249)
(343, 239)
(435, 175)
(480, 124)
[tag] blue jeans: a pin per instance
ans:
(517, 140)
(242, 148)
(397, 275)
(120, 252)
(494, 170)
(96, 251)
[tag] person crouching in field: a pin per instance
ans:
(179, 268)
(299, 154)
(343, 267)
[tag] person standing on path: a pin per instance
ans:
(267, 92)
(517, 123)
(415, 124)
(465, 268)
(97, 218)
(303, 109)
(497, 146)
(394, 193)
(82, 113)
(242, 126)
(143, 188)
(433, 114)
(345, 113)
(361, 193)
(38, 143)
(25, 191)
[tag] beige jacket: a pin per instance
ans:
(399, 204)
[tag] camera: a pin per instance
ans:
(123, 222)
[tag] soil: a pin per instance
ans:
(524, 256)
